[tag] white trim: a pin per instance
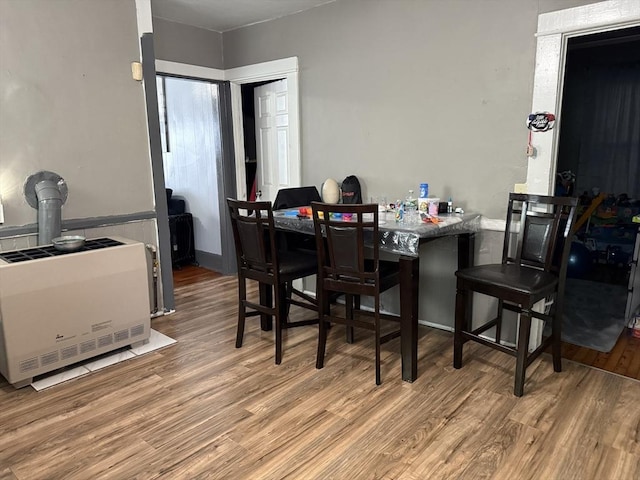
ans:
(258, 72)
(144, 17)
(187, 70)
(589, 17)
(554, 29)
(493, 224)
(238, 141)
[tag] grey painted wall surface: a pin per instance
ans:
(177, 42)
(69, 104)
(400, 92)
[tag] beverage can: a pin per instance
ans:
(424, 190)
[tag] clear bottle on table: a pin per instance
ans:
(411, 208)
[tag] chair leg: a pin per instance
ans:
(556, 341)
(242, 296)
(499, 321)
(376, 319)
(285, 296)
(266, 299)
(288, 294)
(348, 301)
(522, 352)
(460, 325)
(323, 309)
(278, 326)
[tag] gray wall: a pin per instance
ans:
(69, 104)
(400, 92)
(177, 42)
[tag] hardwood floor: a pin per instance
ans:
(623, 359)
(204, 409)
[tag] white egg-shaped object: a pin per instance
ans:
(330, 191)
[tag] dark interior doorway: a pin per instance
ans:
(599, 162)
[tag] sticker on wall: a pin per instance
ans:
(541, 121)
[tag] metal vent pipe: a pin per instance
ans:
(49, 211)
(47, 192)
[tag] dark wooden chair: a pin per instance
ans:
(534, 264)
(259, 258)
(293, 241)
(343, 268)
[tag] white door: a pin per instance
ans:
(273, 146)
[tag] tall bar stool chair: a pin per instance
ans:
(259, 258)
(294, 241)
(534, 265)
(344, 268)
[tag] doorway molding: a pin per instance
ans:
(285, 68)
(554, 31)
(258, 72)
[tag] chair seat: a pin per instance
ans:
(517, 278)
(295, 264)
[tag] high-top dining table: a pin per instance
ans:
(403, 241)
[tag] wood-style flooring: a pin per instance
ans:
(623, 359)
(203, 409)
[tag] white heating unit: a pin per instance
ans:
(60, 308)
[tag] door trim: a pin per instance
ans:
(274, 70)
(554, 31)
(188, 71)
(259, 72)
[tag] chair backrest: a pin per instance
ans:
(543, 226)
(254, 236)
(295, 197)
(341, 243)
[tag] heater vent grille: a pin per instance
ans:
(121, 335)
(137, 330)
(49, 358)
(50, 251)
(69, 352)
(105, 340)
(30, 364)
(87, 346)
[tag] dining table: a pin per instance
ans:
(402, 241)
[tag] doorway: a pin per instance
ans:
(232, 182)
(599, 162)
(191, 136)
(263, 74)
(555, 30)
(266, 138)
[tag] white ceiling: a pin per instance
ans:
(223, 15)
